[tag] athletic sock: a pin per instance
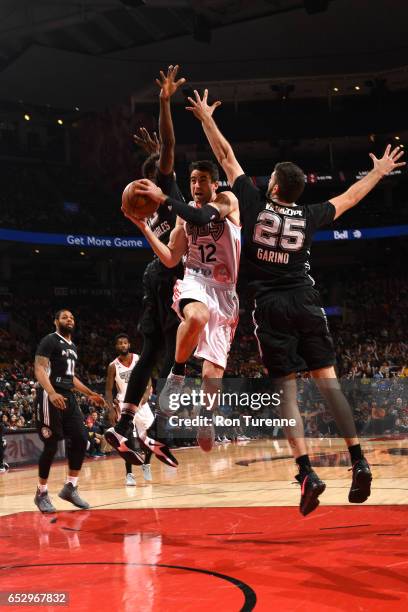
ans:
(303, 463)
(355, 453)
(179, 369)
(73, 480)
(42, 488)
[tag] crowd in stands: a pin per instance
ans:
(370, 341)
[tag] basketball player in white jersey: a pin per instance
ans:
(205, 299)
(119, 371)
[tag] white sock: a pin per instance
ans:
(42, 488)
(73, 480)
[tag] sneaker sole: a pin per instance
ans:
(126, 453)
(362, 490)
(311, 500)
(155, 448)
(83, 507)
(45, 511)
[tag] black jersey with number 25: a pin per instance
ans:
(277, 238)
(62, 355)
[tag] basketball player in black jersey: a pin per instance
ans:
(58, 414)
(159, 322)
(290, 323)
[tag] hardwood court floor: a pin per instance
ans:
(258, 473)
(206, 537)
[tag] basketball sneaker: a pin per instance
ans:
(70, 494)
(360, 488)
(127, 447)
(43, 502)
(147, 471)
(168, 399)
(4, 467)
(154, 440)
(312, 487)
(206, 433)
(130, 480)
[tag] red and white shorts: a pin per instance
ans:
(222, 302)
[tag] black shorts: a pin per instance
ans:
(292, 332)
(158, 317)
(56, 423)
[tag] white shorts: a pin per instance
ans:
(216, 338)
(143, 419)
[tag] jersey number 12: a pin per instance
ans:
(207, 252)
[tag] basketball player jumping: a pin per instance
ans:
(159, 322)
(206, 299)
(58, 414)
(119, 372)
(290, 323)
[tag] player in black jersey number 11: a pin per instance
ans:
(58, 414)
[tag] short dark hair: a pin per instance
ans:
(59, 312)
(149, 166)
(206, 165)
(119, 336)
(290, 180)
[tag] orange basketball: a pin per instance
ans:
(137, 205)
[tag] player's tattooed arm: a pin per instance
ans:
(168, 87)
(382, 166)
(219, 144)
(41, 372)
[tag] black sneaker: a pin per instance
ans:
(127, 447)
(154, 440)
(43, 502)
(4, 467)
(312, 487)
(70, 494)
(360, 489)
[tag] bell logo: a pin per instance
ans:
(343, 235)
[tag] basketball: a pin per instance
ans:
(137, 205)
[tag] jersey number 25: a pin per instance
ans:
(271, 231)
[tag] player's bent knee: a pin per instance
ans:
(50, 446)
(198, 320)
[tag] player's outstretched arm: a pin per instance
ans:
(219, 144)
(168, 87)
(383, 166)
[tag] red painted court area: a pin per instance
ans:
(338, 558)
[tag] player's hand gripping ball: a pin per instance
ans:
(137, 205)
